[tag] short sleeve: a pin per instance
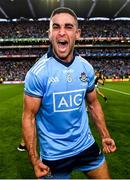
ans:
(33, 86)
(91, 80)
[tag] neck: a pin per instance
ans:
(67, 59)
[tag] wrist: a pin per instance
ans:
(105, 134)
(35, 163)
(106, 137)
(35, 160)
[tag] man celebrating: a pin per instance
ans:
(56, 89)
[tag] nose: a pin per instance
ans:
(62, 31)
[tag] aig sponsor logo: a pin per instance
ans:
(68, 101)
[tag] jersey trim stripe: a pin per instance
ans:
(39, 65)
(32, 95)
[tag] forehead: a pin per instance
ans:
(63, 18)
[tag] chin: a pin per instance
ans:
(62, 56)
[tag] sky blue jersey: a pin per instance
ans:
(62, 120)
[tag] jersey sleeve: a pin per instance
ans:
(91, 80)
(33, 86)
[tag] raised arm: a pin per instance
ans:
(31, 107)
(97, 115)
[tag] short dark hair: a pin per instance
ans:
(64, 10)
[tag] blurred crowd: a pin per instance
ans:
(24, 29)
(13, 70)
(87, 52)
(104, 52)
(15, 61)
(39, 29)
(112, 68)
(105, 29)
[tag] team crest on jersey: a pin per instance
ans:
(83, 77)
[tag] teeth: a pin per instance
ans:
(62, 41)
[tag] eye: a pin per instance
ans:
(69, 26)
(56, 26)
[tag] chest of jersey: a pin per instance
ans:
(65, 86)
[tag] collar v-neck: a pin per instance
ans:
(67, 64)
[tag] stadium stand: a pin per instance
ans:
(105, 44)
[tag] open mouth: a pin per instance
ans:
(62, 45)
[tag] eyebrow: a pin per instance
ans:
(69, 24)
(55, 24)
(66, 24)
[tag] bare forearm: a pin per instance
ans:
(99, 120)
(29, 134)
(30, 109)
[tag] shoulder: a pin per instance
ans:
(40, 65)
(86, 65)
(84, 62)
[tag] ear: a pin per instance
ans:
(78, 33)
(49, 34)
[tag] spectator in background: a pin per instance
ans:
(54, 105)
(99, 80)
(22, 146)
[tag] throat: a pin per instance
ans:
(66, 58)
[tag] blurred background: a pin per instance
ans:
(104, 42)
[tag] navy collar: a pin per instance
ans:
(67, 64)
